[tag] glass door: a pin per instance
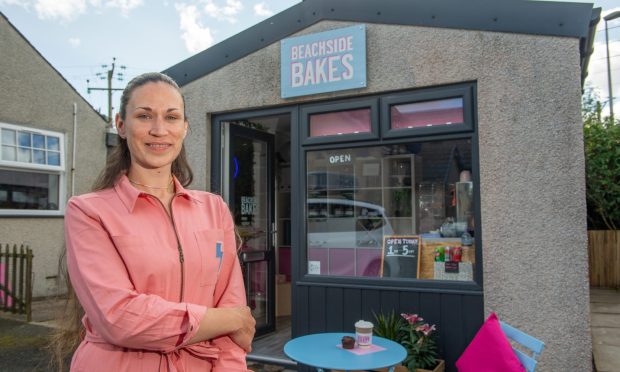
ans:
(250, 189)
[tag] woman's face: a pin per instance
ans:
(154, 126)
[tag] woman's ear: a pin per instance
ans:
(120, 126)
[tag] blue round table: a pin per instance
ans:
(321, 350)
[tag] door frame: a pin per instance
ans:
(268, 254)
(216, 176)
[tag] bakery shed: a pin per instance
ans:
(416, 156)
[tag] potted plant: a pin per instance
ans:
(417, 337)
(421, 343)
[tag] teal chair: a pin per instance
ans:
(532, 344)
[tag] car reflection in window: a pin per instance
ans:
(345, 236)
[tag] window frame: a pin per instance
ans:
(329, 107)
(18, 166)
(388, 137)
(465, 91)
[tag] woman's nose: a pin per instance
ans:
(158, 127)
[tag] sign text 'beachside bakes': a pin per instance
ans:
(323, 62)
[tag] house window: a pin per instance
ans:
(32, 171)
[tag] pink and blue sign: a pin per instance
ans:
(323, 62)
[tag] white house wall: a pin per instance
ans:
(33, 94)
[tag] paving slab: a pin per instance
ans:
(605, 328)
(605, 307)
(606, 336)
(606, 358)
(604, 295)
(604, 320)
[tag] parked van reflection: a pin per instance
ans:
(345, 237)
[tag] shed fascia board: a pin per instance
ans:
(513, 16)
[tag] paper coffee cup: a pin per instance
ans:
(363, 333)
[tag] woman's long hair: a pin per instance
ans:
(69, 334)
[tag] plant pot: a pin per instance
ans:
(440, 367)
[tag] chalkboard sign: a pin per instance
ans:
(400, 256)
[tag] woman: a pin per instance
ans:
(154, 265)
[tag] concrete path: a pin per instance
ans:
(605, 325)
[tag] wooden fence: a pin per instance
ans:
(604, 258)
(16, 280)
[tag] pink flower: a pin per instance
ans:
(412, 318)
(426, 329)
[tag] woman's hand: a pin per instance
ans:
(234, 322)
(245, 334)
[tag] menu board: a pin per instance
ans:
(400, 256)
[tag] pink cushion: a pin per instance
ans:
(489, 351)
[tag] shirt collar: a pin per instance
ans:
(129, 194)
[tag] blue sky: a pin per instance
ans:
(79, 36)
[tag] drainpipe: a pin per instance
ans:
(74, 148)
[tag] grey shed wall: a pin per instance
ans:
(532, 188)
(34, 94)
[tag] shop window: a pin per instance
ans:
(31, 170)
(428, 112)
(340, 122)
(402, 210)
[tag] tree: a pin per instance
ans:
(602, 153)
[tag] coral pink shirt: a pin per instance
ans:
(145, 280)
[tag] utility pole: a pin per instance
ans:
(109, 89)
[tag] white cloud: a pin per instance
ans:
(196, 36)
(75, 41)
(261, 10)
(22, 3)
(65, 10)
(224, 13)
(125, 6)
(68, 10)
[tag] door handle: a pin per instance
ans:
(253, 256)
(274, 235)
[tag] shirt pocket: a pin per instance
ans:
(144, 262)
(211, 248)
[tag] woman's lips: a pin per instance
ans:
(158, 146)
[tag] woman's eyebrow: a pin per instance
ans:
(146, 108)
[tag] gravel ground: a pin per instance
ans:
(21, 346)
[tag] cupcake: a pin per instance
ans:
(348, 342)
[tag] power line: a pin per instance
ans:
(109, 76)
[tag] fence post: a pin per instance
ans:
(22, 279)
(14, 277)
(29, 257)
(6, 276)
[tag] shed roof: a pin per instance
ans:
(515, 16)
